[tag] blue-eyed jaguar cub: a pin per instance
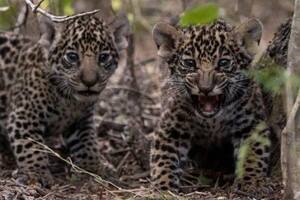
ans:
(52, 87)
(210, 101)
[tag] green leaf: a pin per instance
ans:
(200, 15)
(273, 78)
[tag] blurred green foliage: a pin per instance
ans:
(6, 13)
(116, 5)
(271, 78)
(202, 14)
(68, 8)
(274, 77)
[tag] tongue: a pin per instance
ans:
(208, 103)
(208, 107)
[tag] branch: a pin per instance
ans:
(54, 18)
(145, 62)
(21, 20)
(292, 114)
(290, 152)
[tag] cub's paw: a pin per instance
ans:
(102, 168)
(255, 187)
(42, 178)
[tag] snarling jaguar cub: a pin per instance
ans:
(209, 100)
(52, 86)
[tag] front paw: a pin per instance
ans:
(258, 187)
(98, 166)
(41, 178)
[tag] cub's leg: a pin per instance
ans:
(169, 150)
(25, 127)
(81, 140)
(253, 155)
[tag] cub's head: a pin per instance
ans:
(207, 63)
(84, 53)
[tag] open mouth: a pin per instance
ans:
(208, 106)
(88, 93)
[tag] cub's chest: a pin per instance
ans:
(60, 118)
(221, 127)
(209, 130)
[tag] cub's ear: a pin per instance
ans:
(165, 37)
(49, 30)
(249, 34)
(120, 28)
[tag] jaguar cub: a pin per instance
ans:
(210, 101)
(52, 86)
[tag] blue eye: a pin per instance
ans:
(71, 57)
(104, 58)
(189, 63)
(224, 63)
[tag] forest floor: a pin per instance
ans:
(128, 111)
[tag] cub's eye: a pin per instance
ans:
(71, 57)
(224, 63)
(104, 58)
(190, 63)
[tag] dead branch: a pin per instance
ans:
(290, 136)
(122, 162)
(21, 20)
(145, 62)
(294, 111)
(55, 18)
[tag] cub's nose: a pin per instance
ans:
(205, 89)
(206, 81)
(89, 79)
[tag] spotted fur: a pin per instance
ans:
(50, 92)
(209, 101)
(278, 47)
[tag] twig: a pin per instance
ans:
(80, 170)
(120, 165)
(96, 177)
(37, 6)
(55, 18)
(294, 111)
(136, 176)
(21, 20)
(145, 62)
